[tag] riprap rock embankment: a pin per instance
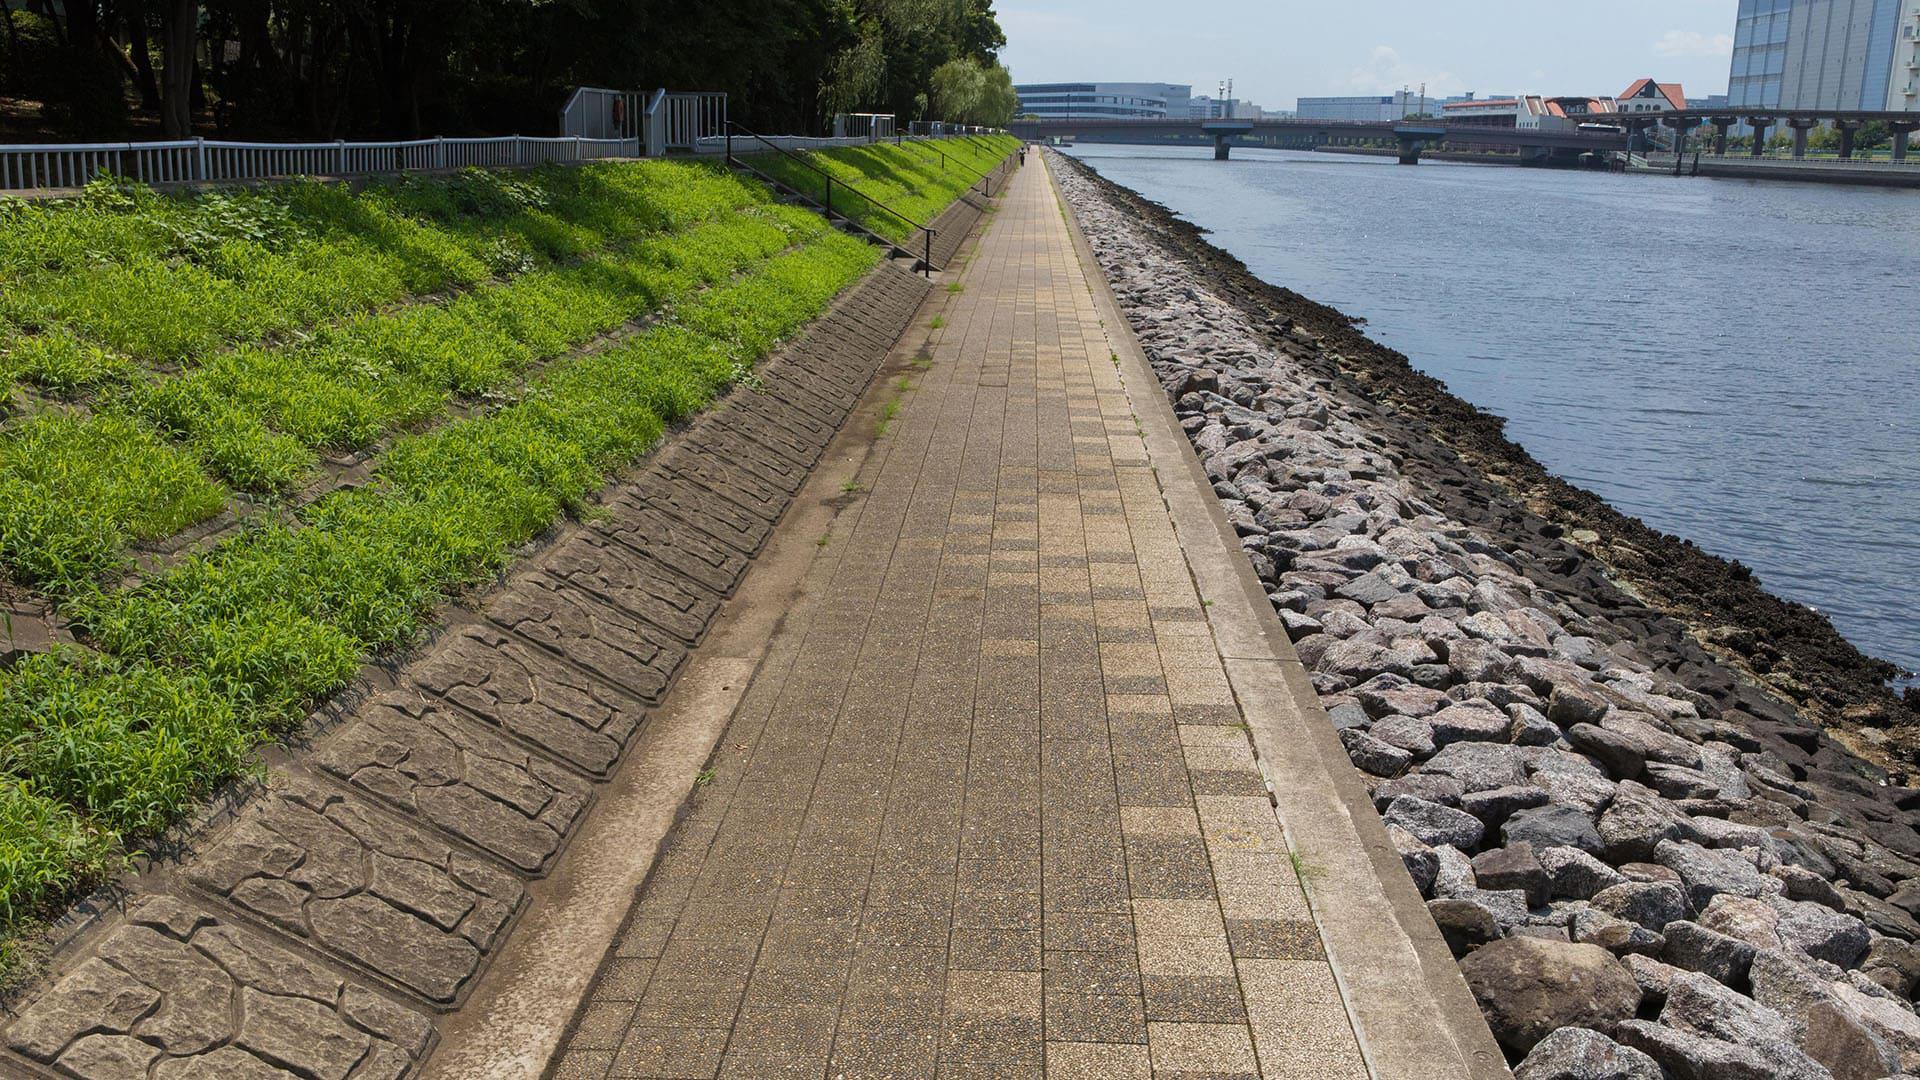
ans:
(1646, 863)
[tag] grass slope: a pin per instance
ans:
(169, 351)
(917, 179)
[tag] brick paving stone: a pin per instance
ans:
(997, 815)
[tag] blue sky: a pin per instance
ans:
(1278, 50)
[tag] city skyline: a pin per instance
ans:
(1278, 53)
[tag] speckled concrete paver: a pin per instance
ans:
(990, 808)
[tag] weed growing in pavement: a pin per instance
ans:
(887, 412)
(938, 322)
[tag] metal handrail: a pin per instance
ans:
(928, 230)
(978, 175)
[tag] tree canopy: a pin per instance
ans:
(353, 68)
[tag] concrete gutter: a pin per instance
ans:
(1410, 1007)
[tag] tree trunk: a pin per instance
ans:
(135, 13)
(176, 89)
(13, 41)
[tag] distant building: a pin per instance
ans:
(1484, 112)
(1372, 108)
(1903, 88)
(1207, 107)
(1711, 101)
(1825, 54)
(1647, 96)
(1105, 101)
(1527, 112)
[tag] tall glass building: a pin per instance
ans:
(1817, 54)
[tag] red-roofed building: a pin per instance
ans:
(1647, 96)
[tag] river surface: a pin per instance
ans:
(1735, 362)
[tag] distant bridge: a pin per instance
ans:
(1411, 136)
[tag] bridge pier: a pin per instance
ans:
(1902, 134)
(1413, 138)
(1681, 126)
(1846, 129)
(1800, 130)
(1721, 125)
(1221, 147)
(1760, 125)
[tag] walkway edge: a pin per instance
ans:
(516, 1024)
(1411, 1010)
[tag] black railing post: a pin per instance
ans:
(829, 198)
(926, 263)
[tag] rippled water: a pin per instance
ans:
(1734, 362)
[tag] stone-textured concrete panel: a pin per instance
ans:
(683, 548)
(741, 521)
(177, 992)
(327, 869)
(423, 758)
(591, 633)
(633, 582)
(556, 707)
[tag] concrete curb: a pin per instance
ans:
(1410, 1008)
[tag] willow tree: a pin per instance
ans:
(967, 92)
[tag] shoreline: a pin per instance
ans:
(1633, 846)
(1791, 649)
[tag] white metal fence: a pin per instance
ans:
(869, 126)
(67, 165)
(595, 123)
(595, 112)
(679, 120)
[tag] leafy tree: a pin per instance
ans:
(364, 68)
(967, 93)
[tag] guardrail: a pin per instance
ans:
(67, 165)
(1796, 163)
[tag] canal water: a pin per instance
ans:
(1735, 362)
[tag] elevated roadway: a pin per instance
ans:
(1411, 136)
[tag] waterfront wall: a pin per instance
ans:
(1636, 850)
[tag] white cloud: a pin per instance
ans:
(1386, 71)
(1692, 43)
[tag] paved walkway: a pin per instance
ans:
(989, 808)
